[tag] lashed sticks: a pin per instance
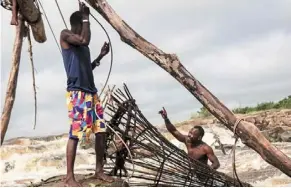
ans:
(158, 161)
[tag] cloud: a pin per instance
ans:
(241, 53)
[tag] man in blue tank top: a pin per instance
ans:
(82, 99)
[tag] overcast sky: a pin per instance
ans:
(240, 50)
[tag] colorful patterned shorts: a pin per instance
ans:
(82, 118)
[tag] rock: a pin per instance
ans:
(9, 166)
(286, 136)
(287, 122)
(275, 134)
(226, 146)
(251, 119)
(264, 120)
(85, 180)
(269, 119)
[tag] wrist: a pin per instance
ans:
(85, 17)
(96, 62)
(100, 56)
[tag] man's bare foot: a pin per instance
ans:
(14, 21)
(104, 177)
(72, 183)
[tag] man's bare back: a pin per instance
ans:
(197, 149)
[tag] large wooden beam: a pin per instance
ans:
(12, 83)
(32, 15)
(248, 132)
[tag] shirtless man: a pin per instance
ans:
(197, 149)
(82, 95)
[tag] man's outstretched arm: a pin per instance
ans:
(171, 128)
(212, 157)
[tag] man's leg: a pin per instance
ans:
(71, 155)
(100, 141)
(76, 116)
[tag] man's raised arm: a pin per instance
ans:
(82, 39)
(171, 128)
(86, 32)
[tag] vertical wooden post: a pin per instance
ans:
(12, 83)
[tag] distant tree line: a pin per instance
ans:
(282, 104)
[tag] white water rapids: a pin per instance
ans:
(30, 160)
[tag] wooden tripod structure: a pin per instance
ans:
(246, 131)
(12, 83)
(28, 13)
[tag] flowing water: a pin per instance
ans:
(25, 160)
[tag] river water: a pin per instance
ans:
(26, 160)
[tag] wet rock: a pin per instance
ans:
(85, 180)
(269, 119)
(286, 136)
(251, 119)
(226, 146)
(264, 120)
(9, 166)
(278, 134)
(25, 141)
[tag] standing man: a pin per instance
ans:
(81, 92)
(197, 149)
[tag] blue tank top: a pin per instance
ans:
(77, 62)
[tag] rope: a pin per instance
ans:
(111, 54)
(50, 26)
(233, 151)
(61, 13)
(33, 75)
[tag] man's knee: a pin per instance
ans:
(100, 133)
(73, 138)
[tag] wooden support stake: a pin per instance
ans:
(12, 83)
(248, 132)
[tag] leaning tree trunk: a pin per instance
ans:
(248, 132)
(12, 83)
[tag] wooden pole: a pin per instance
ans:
(32, 15)
(248, 132)
(12, 83)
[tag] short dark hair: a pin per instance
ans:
(201, 130)
(76, 18)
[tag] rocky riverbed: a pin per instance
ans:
(274, 124)
(26, 160)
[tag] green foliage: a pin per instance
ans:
(203, 112)
(282, 104)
